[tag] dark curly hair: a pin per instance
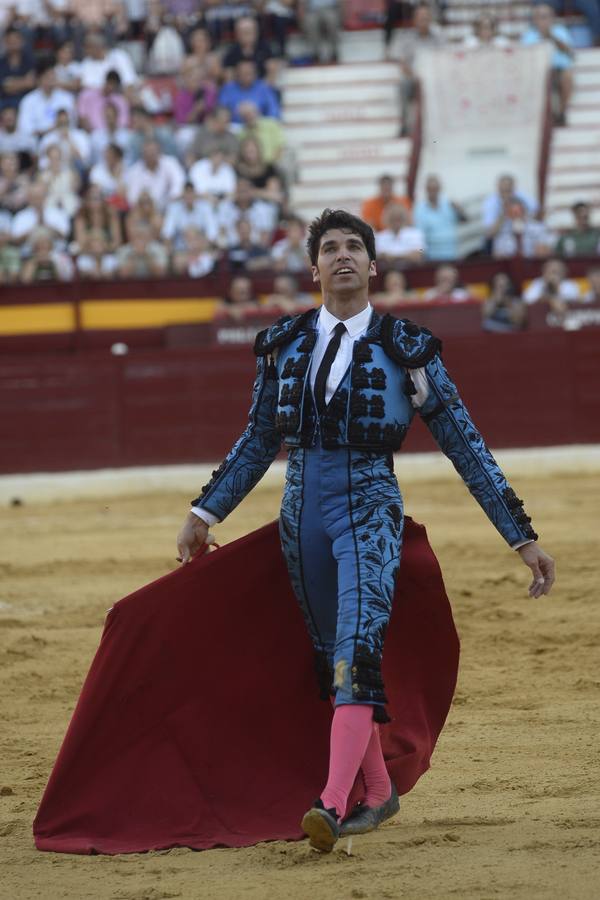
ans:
(345, 221)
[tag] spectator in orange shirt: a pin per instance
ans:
(374, 207)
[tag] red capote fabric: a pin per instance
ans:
(199, 722)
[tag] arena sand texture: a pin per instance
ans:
(511, 806)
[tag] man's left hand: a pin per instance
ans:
(542, 567)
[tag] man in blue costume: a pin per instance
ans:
(340, 386)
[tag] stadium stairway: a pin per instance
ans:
(574, 159)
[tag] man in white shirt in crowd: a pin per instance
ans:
(399, 241)
(12, 139)
(39, 212)
(553, 286)
(99, 61)
(516, 233)
(494, 204)
(75, 145)
(39, 108)
(159, 175)
(213, 178)
(112, 133)
(261, 215)
(188, 212)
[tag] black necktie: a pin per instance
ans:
(323, 372)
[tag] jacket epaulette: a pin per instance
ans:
(407, 343)
(281, 332)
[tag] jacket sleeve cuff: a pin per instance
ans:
(206, 517)
(519, 544)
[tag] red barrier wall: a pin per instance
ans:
(188, 404)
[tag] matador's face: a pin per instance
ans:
(343, 264)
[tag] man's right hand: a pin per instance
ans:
(193, 534)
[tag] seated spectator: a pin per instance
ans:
(553, 287)
(39, 212)
(61, 180)
(39, 108)
(246, 86)
(244, 255)
(261, 215)
(437, 216)
(399, 241)
(395, 291)
(97, 262)
(144, 129)
(188, 212)
(266, 131)
(67, 69)
(202, 55)
(110, 133)
(517, 234)
(10, 256)
(142, 257)
(289, 253)
(280, 17)
(494, 205)
(74, 143)
(17, 70)
(14, 185)
(195, 96)
(95, 215)
(545, 29)
(503, 310)
(99, 60)
(213, 178)
(263, 176)
(583, 239)
(110, 176)
(215, 133)
(11, 139)
(195, 256)
(321, 24)
(424, 35)
(485, 34)
(593, 277)
(446, 286)
(93, 102)
(249, 46)
(240, 300)
(287, 297)
(46, 263)
(373, 209)
(144, 213)
(159, 175)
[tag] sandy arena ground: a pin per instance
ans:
(511, 806)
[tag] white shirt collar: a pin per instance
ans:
(354, 325)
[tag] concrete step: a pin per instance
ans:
(309, 211)
(342, 95)
(574, 158)
(340, 74)
(394, 150)
(588, 116)
(321, 115)
(341, 131)
(575, 137)
(340, 171)
(573, 177)
(589, 96)
(357, 189)
(565, 198)
(588, 58)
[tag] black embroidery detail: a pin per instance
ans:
(409, 386)
(281, 332)
(308, 342)
(407, 343)
(368, 378)
(295, 367)
(362, 352)
(291, 394)
(515, 504)
(358, 405)
(377, 407)
(287, 423)
(367, 681)
(378, 379)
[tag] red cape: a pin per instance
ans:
(199, 722)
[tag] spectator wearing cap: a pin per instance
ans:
(39, 108)
(553, 286)
(246, 86)
(446, 286)
(374, 208)
(545, 29)
(188, 212)
(17, 70)
(399, 241)
(156, 173)
(517, 234)
(584, 238)
(93, 102)
(437, 216)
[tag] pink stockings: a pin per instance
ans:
(355, 745)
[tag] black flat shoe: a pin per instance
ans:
(363, 819)
(321, 827)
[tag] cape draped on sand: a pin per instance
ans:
(199, 722)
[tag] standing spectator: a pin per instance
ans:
(485, 34)
(39, 108)
(214, 178)
(14, 185)
(244, 254)
(321, 23)
(494, 205)
(98, 61)
(39, 212)
(395, 291)
(93, 102)
(96, 215)
(438, 218)
(12, 140)
(17, 75)
(215, 132)
(61, 180)
(261, 215)
(98, 261)
(74, 143)
(268, 132)
(584, 238)
(195, 257)
(553, 286)
(142, 257)
(110, 176)
(503, 310)
(247, 86)
(46, 263)
(545, 29)
(144, 213)
(263, 176)
(515, 233)
(424, 35)
(188, 212)
(593, 277)
(399, 241)
(160, 175)
(374, 208)
(249, 46)
(289, 253)
(446, 286)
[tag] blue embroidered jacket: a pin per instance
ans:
(370, 411)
